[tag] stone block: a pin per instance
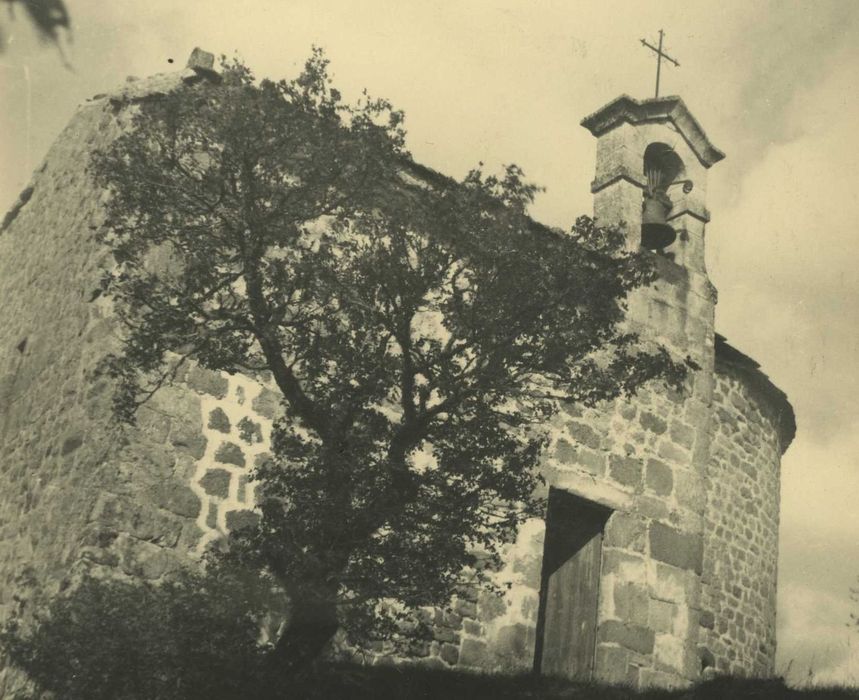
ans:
(219, 421)
(153, 425)
(529, 565)
(190, 536)
(184, 467)
(669, 451)
(683, 550)
(250, 431)
(633, 637)
(584, 434)
(417, 649)
(468, 592)
(625, 531)
(262, 458)
(708, 659)
(650, 678)
(628, 411)
(625, 470)
(433, 662)
(141, 520)
(652, 507)
(212, 516)
(473, 653)
(669, 653)
(653, 423)
(201, 60)
(659, 477)
(230, 453)
(514, 641)
(267, 403)
(593, 462)
(631, 603)
(449, 653)
(661, 617)
(176, 498)
(145, 560)
(240, 395)
(152, 461)
(444, 634)
(216, 482)
(565, 453)
(672, 584)
(466, 608)
(450, 619)
(185, 433)
(240, 519)
(689, 490)
(682, 434)
(610, 664)
(206, 381)
(472, 627)
(491, 606)
(706, 619)
(627, 566)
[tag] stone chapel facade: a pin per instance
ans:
(656, 563)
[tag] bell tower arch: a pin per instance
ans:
(652, 160)
(653, 151)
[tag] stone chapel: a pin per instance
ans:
(656, 563)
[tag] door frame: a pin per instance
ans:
(596, 511)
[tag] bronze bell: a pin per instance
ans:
(655, 231)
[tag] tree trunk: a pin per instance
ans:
(311, 626)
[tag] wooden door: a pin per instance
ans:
(569, 593)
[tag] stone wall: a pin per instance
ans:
(643, 458)
(637, 458)
(741, 549)
(77, 491)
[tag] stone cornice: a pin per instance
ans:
(696, 211)
(655, 110)
(622, 172)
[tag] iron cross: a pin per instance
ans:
(659, 56)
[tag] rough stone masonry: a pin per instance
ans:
(684, 486)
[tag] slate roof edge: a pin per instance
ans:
(727, 355)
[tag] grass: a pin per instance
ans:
(407, 683)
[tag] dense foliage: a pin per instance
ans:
(194, 637)
(420, 330)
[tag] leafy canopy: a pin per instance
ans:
(420, 330)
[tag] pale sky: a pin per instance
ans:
(774, 84)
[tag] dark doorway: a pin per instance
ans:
(569, 592)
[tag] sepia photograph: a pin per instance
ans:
(446, 349)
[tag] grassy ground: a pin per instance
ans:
(388, 683)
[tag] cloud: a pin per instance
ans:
(815, 643)
(782, 252)
(819, 561)
(784, 256)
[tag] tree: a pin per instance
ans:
(420, 331)
(47, 17)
